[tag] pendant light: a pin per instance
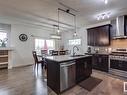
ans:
(75, 33)
(68, 12)
(58, 30)
(56, 35)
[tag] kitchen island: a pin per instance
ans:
(64, 72)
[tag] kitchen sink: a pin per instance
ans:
(76, 55)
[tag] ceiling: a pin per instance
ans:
(44, 12)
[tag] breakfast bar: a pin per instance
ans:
(65, 71)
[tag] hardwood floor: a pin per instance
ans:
(25, 81)
(22, 81)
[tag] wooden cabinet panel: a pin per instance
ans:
(90, 38)
(99, 36)
(83, 69)
(100, 62)
(104, 36)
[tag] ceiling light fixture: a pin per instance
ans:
(103, 16)
(75, 33)
(106, 1)
(58, 31)
(68, 12)
(56, 34)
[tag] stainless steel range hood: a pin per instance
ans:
(120, 28)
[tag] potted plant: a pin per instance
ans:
(3, 42)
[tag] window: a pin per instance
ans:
(50, 44)
(42, 44)
(75, 42)
(3, 38)
(39, 44)
(3, 35)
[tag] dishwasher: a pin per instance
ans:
(67, 75)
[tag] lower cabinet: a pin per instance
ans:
(83, 68)
(100, 62)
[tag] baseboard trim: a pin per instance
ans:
(22, 66)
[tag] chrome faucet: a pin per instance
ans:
(74, 50)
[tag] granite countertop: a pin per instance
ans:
(64, 58)
(100, 53)
(7, 48)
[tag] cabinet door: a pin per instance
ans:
(79, 71)
(90, 37)
(104, 36)
(88, 67)
(95, 62)
(103, 63)
(99, 36)
(83, 69)
(100, 62)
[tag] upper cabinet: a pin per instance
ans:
(99, 36)
(90, 37)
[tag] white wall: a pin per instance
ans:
(22, 54)
(82, 33)
(23, 50)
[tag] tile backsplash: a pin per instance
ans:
(118, 43)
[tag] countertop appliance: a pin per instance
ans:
(118, 62)
(67, 75)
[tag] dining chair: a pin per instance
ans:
(44, 53)
(37, 62)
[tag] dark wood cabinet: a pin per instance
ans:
(83, 69)
(90, 37)
(100, 62)
(99, 36)
(69, 75)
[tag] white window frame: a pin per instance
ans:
(6, 28)
(44, 40)
(72, 42)
(8, 37)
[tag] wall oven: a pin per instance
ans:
(118, 64)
